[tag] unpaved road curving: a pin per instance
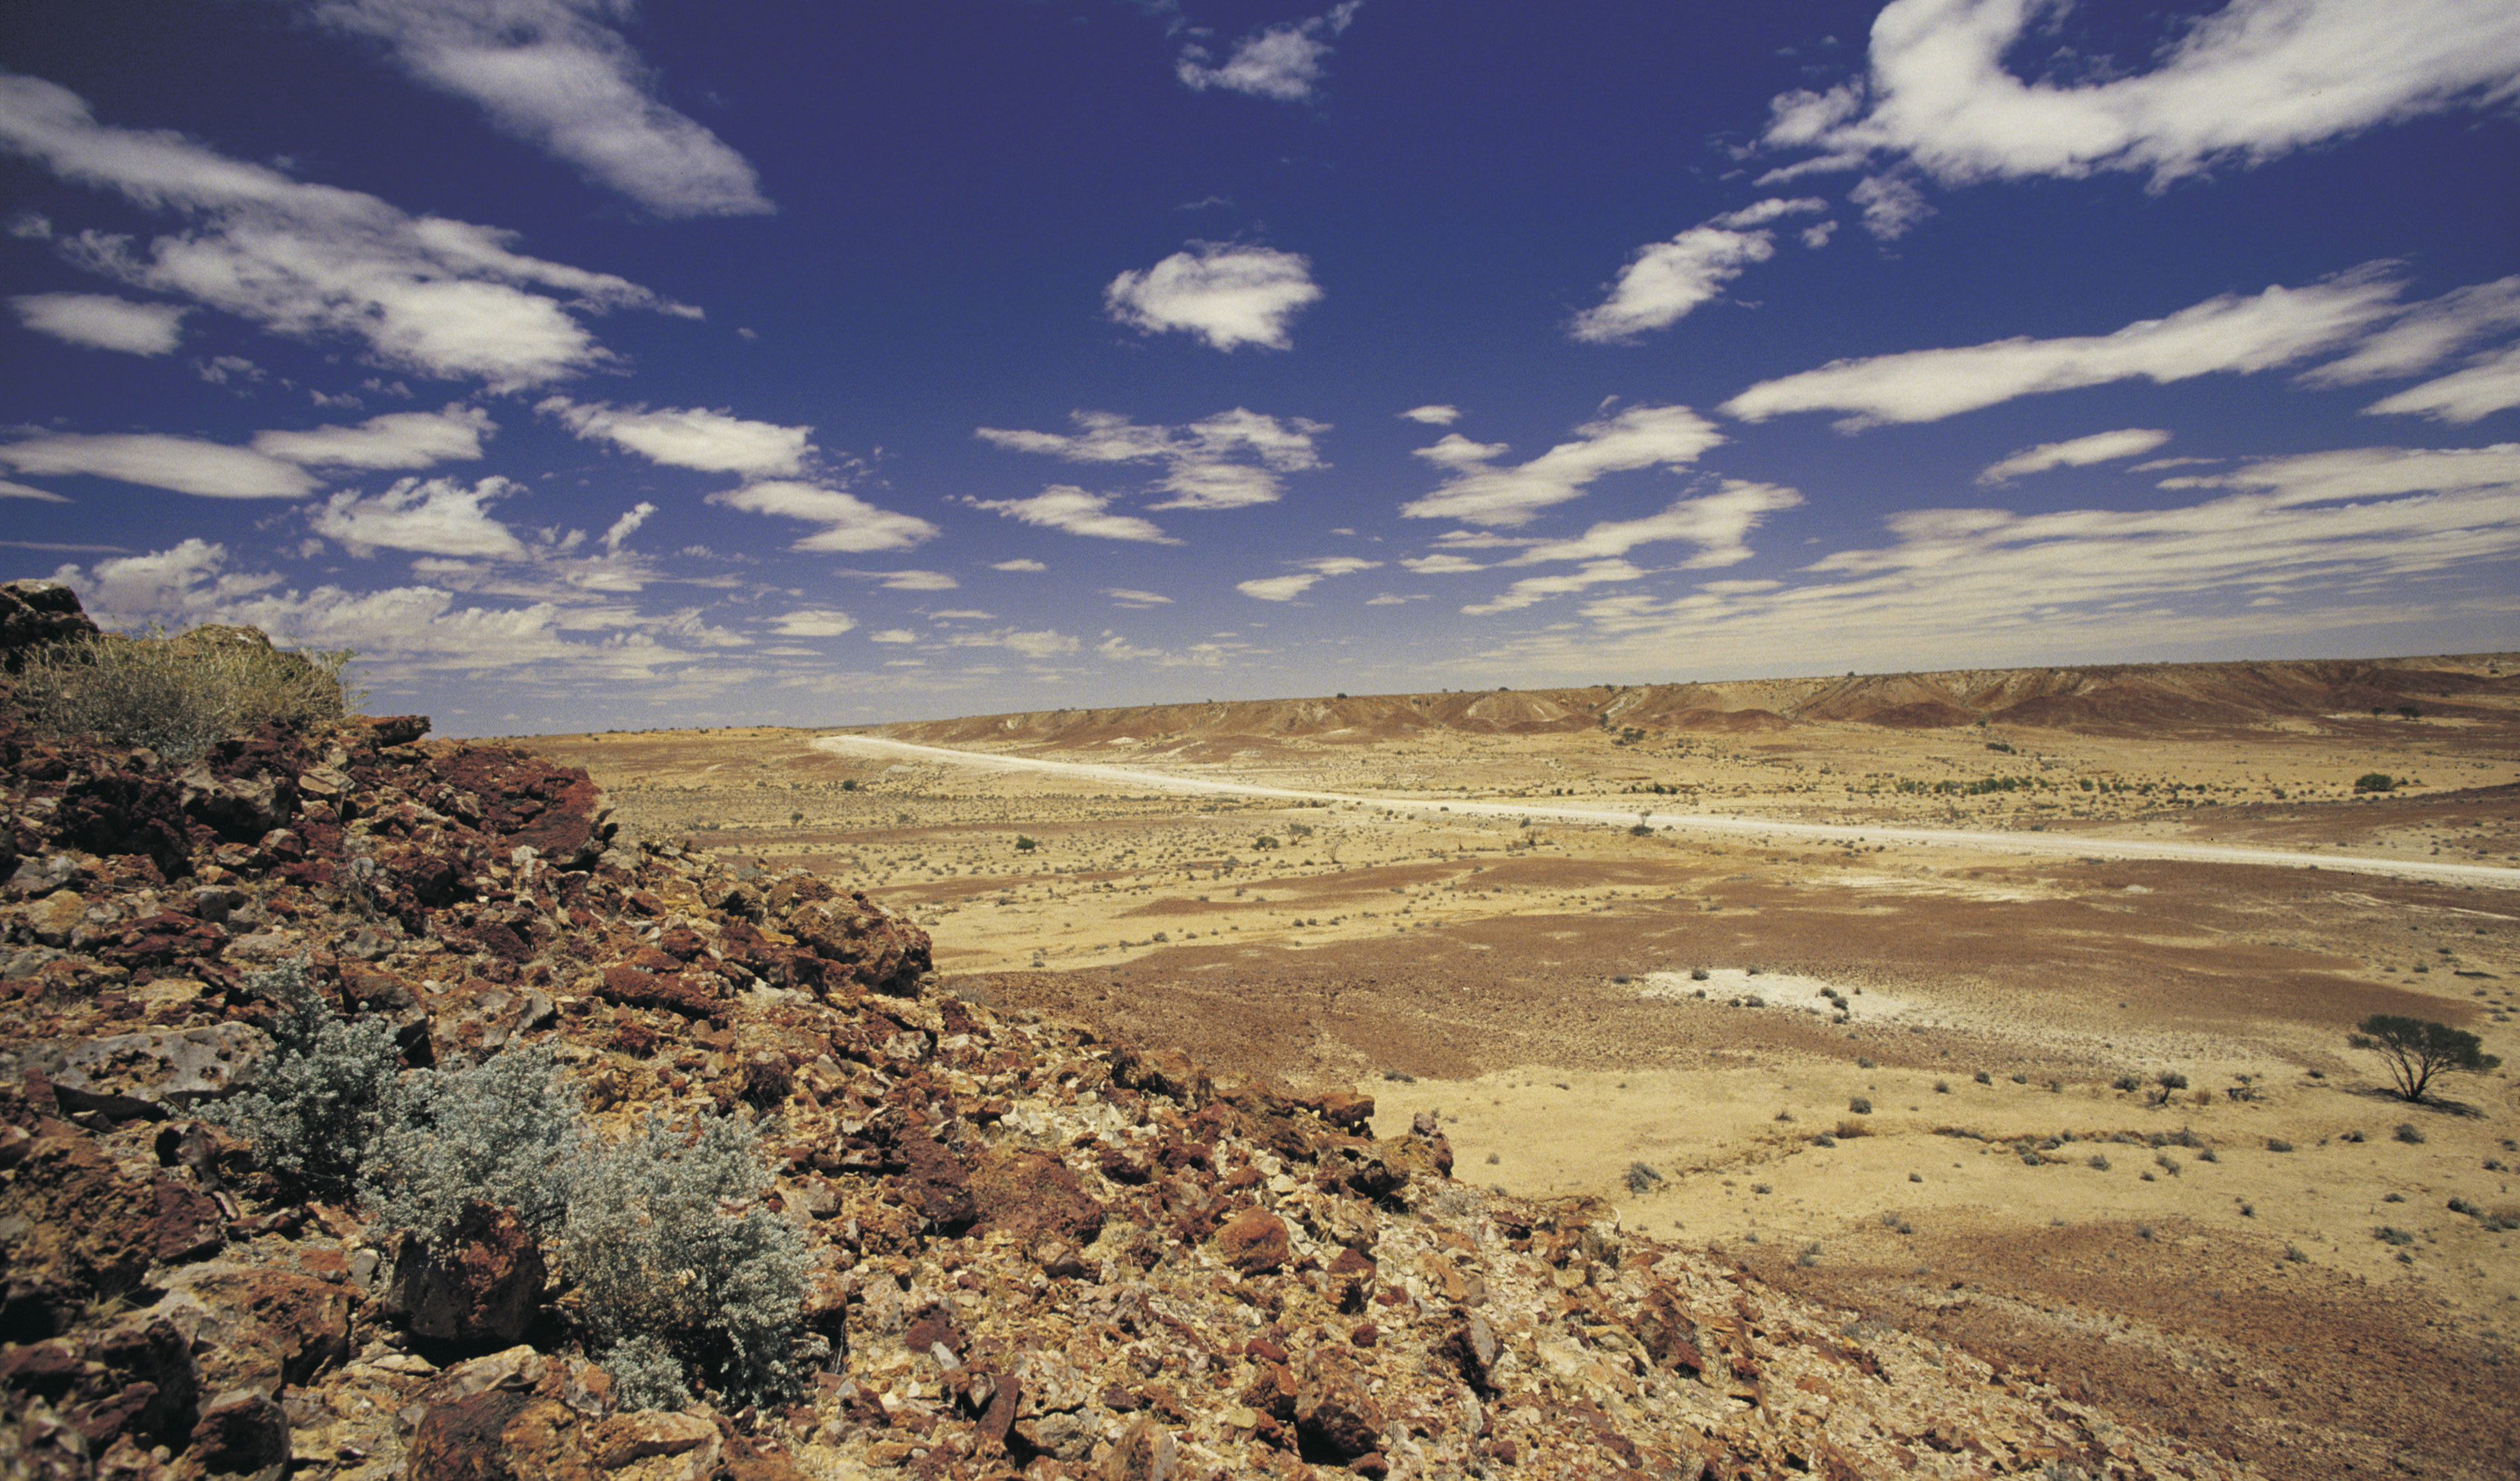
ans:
(2058, 845)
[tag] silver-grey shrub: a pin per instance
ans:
(318, 1107)
(657, 1245)
(504, 1132)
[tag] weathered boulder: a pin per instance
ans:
(479, 1284)
(36, 614)
(1333, 1409)
(1255, 1241)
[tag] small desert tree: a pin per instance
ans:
(2418, 1049)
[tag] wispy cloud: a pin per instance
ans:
(850, 525)
(1065, 507)
(1664, 281)
(711, 441)
(814, 623)
(1480, 491)
(1227, 461)
(159, 459)
(2076, 452)
(1280, 61)
(2492, 385)
(101, 320)
(395, 440)
(2230, 334)
(1432, 415)
(2309, 543)
(552, 74)
(1288, 587)
(1227, 295)
(2253, 81)
(425, 293)
(1719, 524)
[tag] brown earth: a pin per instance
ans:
(1531, 987)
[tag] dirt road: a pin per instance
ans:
(2060, 844)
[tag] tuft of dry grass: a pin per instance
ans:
(178, 694)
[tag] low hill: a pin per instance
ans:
(2113, 699)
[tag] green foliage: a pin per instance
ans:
(2418, 1049)
(502, 1132)
(319, 1105)
(654, 1255)
(1024, 845)
(1264, 841)
(179, 695)
(2376, 781)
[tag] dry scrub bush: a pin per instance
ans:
(178, 694)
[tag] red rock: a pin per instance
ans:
(1035, 1192)
(241, 1435)
(633, 988)
(1255, 1241)
(1335, 1410)
(480, 1285)
(936, 1186)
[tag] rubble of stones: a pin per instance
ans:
(1036, 1254)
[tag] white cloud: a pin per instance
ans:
(2076, 452)
(1441, 564)
(396, 440)
(713, 442)
(918, 581)
(438, 516)
(1019, 563)
(850, 525)
(1433, 415)
(1225, 294)
(104, 321)
(552, 74)
(893, 635)
(2253, 81)
(2227, 334)
(1040, 643)
(1227, 461)
(814, 622)
(1666, 279)
(10, 490)
(1315, 570)
(628, 525)
(1719, 524)
(2351, 540)
(1280, 588)
(1533, 590)
(425, 293)
(1816, 234)
(183, 465)
(1479, 492)
(1063, 506)
(2427, 333)
(2492, 385)
(1281, 62)
(1892, 204)
(1129, 596)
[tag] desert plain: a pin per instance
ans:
(2010, 1008)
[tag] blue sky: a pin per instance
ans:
(586, 364)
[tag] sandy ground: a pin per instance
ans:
(1906, 1082)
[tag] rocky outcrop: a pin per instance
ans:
(1032, 1253)
(36, 614)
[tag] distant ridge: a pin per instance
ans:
(2122, 699)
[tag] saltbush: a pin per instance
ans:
(318, 1108)
(654, 1254)
(504, 1132)
(177, 694)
